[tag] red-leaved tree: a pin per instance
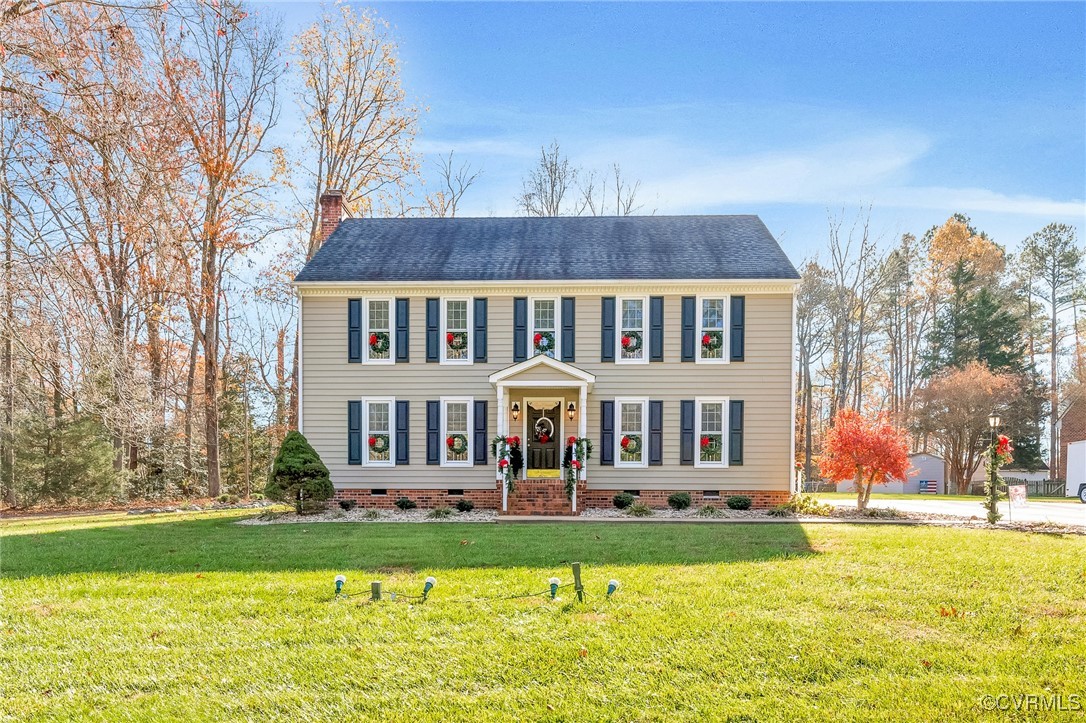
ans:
(867, 451)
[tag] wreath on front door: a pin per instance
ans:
(544, 430)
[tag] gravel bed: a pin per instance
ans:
(669, 514)
(361, 515)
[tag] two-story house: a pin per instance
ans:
(665, 340)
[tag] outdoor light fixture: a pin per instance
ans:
(555, 582)
(993, 420)
(571, 410)
(611, 587)
(516, 411)
(340, 580)
(430, 582)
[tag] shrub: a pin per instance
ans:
(256, 496)
(232, 499)
(708, 511)
(347, 505)
(405, 504)
(623, 500)
(465, 505)
(224, 498)
(883, 513)
(440, 513)
(639, 509)
(739, 502)
(298, 476)
(802, 505)
(679, 500)
(372, 515)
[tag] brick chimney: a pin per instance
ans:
(331, 212)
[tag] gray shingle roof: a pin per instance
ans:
(541, 249)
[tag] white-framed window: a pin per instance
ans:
(377, 415)
(631, 438)
(544, 327)
(713, 329)
(631, 331)
(456, 429)
(378, 333)
(711, 439)
(456, 342)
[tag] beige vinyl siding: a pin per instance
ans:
(762, 381)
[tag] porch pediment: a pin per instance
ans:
(542, 369)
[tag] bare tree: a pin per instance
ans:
(813, 338)
(596, 197)
(455, 181)
(544, 190)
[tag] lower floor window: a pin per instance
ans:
(379, 437)
(456, 425)
(631, 432)
(710, 432)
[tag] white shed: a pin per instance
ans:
(927, 473)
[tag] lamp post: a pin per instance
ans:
(991, 491)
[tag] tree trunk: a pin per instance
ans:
(211, 388)
(808, 424)
(1053, 391)
(7, 366)
(295, 373)
(190, 400)
(861, 497)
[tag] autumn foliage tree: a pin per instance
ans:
(866, 451)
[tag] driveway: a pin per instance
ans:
(1071, 513)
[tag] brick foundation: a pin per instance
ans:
(545, 497)
(425, 499)
(761, 499)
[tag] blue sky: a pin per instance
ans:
(786, 110)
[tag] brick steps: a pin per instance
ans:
(540, 497)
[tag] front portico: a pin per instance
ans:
(549, 400)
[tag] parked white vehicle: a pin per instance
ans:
(1076, 470)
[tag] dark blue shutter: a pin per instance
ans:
(433, 432)
(354, 330)
(607, 329)
(354, 432)
(686, 430)
(656, 328)
(569, 326)
(735, 438)
(520, 329)
(403, 330)
(403, 424)
(690, 319)
(656, 432)
(481, 450)
(607, 433)
(480, 329)
(738, 320)
(433, 329)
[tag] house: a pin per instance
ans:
(665, 341)
(1070, 425)
(927, 474)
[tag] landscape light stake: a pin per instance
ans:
(555, 582)
(340, 580)
(611, 587)
(375, 591)
(430, 582)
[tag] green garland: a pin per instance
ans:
(379, 342)
(579, 451)
(507, 451)
(631, 342)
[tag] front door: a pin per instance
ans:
(543, 430)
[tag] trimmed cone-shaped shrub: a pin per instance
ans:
(299, 477)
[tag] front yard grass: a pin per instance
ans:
(876, 495)
(194, 617)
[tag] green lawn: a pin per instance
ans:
(875, 494)
(193, 617)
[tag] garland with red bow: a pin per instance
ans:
(578, 452)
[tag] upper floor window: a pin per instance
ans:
(456, 426)
(544, 330)
(456, 331)
(712, 337)
(378, 333)
(630, 439)
(379, 436)
(710, 416)
(631, 329)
